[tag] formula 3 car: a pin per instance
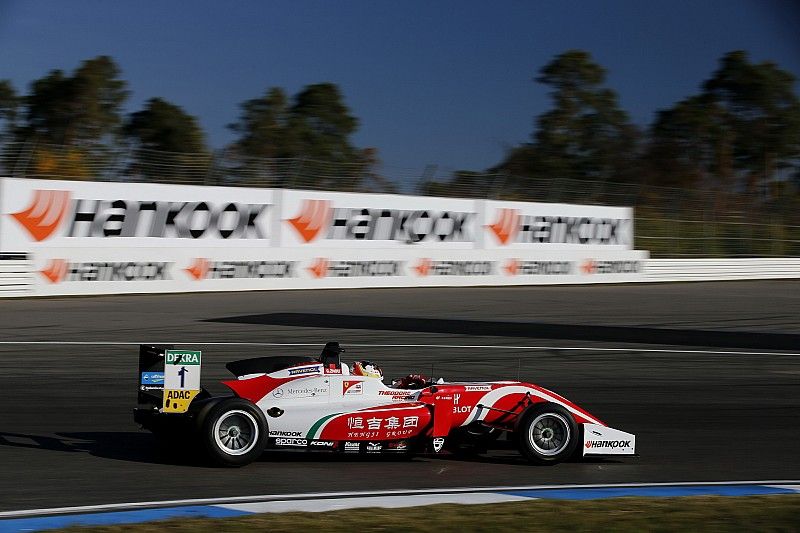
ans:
(320, 404)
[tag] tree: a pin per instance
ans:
(744, 124)
(9, 103)
(323, 124)
(763, 112)
(690, 145)
(169, 142)
(586, 135)
(81, 109)
(314, 130)
(264, 127)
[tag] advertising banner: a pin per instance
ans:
(105, 238)
(42, 214)
(349, 220)
(527, 225)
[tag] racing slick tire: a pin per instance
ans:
(547, 434)
(234, 433)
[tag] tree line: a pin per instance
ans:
(741, 131)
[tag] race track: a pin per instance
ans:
(67, 435)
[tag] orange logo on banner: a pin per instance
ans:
(55, 270)
(511, 267)
(588, 267)
(319, 269)
(45, 213)
(506, 226)
(314, 216)
(423, 267)
(198, 269)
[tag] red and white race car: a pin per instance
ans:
(306, 403)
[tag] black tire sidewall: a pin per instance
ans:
(523, 430)
(213, 451)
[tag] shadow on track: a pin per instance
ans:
(119, 445)
(538, 330)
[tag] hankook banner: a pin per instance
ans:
(102, 238)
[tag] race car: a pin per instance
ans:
(321, 404)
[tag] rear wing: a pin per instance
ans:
(169, 379)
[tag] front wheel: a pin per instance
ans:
(234, 433)
(547, 434)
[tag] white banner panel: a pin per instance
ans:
(145, 270)
(366, 221)
(528, 225)
(106, 238)
(42, 214)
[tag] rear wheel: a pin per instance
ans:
(547, 434)
(234, 432)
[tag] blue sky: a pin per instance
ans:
(437, 82)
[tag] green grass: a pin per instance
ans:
(698, 513)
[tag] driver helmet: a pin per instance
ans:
(368, 369)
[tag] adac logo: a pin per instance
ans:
(589, 267)
(511, 267)
(44, 214)
(423, 267)
(55, 270)
(198, 269)
(507, 225)
(319, 268)
(313, 218)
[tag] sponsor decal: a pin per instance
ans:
(306, 392)
(178, 400)
(477, 388)
(318, 217)
(202, 268)
(375, 423)
(322, 443)
(314, 217)
(373, 447)
(278, 393)
(87, 218)
(511, 227)
(152, 378)
(58, 270)
(428, 267)
(281, 441)
(612, 444)
(151, 387)
(304, 370)
(45, 213)
(351, 388)
(352, 446)
(438, 444)
(515, 267)
(591, 266)
(182, 357)
(333, 370)
(322, 268)
(285, 433)
(397, 446)
(460, 409)
(396, 395)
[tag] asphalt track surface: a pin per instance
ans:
(67, 435)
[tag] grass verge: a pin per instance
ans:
(706, 513)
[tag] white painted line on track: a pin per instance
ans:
(391, 502)
(363, 494)
(361, 345)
